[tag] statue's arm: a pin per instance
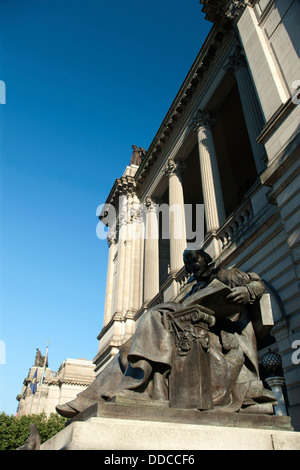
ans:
(255, 287)
(249, 292)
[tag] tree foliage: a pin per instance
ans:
(14, 430)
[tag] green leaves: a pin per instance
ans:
(15, 430)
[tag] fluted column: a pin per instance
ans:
(122, 221)
(237, 65)
(173, 170)
(136, 257)
(127, 254)
(211, 184)
(151, 256)
(111, 239)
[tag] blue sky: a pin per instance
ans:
(85, 80)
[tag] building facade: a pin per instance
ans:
(228, 143)
(73, 376)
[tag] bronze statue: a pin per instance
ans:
(200, 353)
(138, 155)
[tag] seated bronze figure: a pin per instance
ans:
(197, 354)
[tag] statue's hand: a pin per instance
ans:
(239, 295)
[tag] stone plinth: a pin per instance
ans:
(120, 426)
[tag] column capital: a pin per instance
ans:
(136, 214)
(202, 120)
(111, 238)
(126, 186)
(122, 218)
(236, 61)
(236, 8)
(150, 204)
(173, 167)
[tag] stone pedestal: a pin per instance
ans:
(130, 426)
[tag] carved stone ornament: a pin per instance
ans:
(112, 238)
(235, 61)
(202, 120)
(150, 203)
(173, 167)
(235, 9)
(221, 12)
(136, 214)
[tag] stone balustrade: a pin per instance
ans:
(235, 225)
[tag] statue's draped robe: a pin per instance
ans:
(143, 364)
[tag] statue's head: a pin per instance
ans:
(197, 262)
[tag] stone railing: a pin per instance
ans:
(235, 226)
(181, 279)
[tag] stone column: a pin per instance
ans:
(111, 239)
(237, 65)
(151, 267)
(127, 253)
(177, 229)
(137, 235)
(211, 184)
(122, 220)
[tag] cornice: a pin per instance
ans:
(122, 186)
(224, 12)
(60, 382)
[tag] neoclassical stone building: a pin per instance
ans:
(72, 377)
(230, 141)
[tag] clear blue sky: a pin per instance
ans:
(85, 80)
